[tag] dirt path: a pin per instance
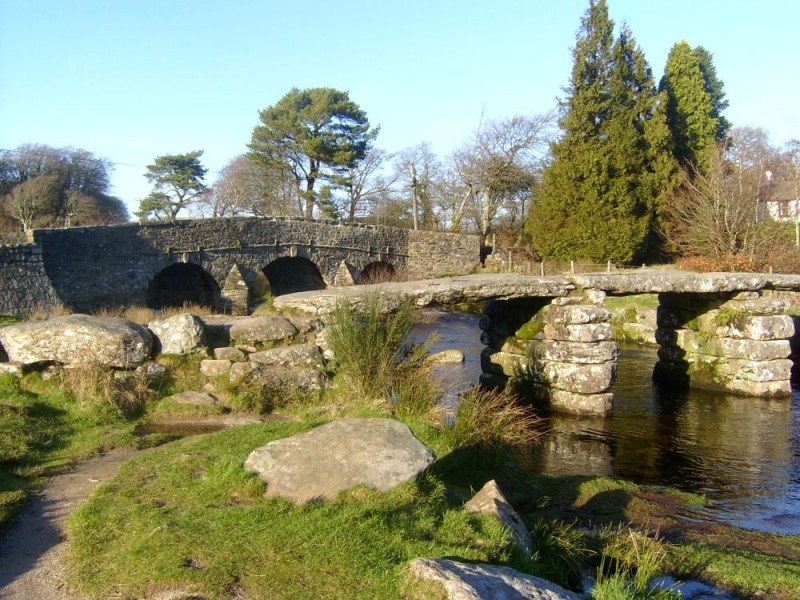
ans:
(31, 552)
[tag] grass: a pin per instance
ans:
(188, 518)
(44, 429)
(751, 574)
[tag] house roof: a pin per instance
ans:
(782, 190)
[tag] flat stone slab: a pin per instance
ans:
(461, 581)
(262, 329)
(504, 286)
(318, 464)
(194, 398)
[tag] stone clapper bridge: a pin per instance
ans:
(551, 337)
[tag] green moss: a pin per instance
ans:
(8, 320)
(529, 330)
(628, 314)
(643, 301)
(727, 317)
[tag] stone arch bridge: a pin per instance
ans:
(552, 337)
(219, 261)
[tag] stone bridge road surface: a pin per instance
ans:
(32, 550)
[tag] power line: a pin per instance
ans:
(55, 154)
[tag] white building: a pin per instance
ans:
(779, 200)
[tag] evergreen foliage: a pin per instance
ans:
(695, 100)
(177, 181)
(317, 133)
(602, 192)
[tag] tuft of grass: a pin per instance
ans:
(417, 395)
(43, 313)
(266, 306)
(492, 418)
(560, 551)
(98, 388)
(634, 556)
(369, 343)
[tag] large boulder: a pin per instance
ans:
(318, 464)
(181, 334)
(78, 339)
(461, 581)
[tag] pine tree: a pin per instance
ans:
(601, 192)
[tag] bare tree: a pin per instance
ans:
(32, 198)
(246, 188)
(499, 167)
(365, 183)
(418, 171)
(714, 214)
(80, 175)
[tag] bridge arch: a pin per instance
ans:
(182, 283)
(377, 272)
(290, 274)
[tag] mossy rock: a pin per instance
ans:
(529, 330)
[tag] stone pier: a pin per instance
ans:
(737, 343)
(558, 351)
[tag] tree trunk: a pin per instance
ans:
(413, 170)
(309, 198)
(486, 214)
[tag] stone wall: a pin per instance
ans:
(98, 266)
(435, 254)
(558, 351)
(25, 285)
(725, 342)
(15, 238)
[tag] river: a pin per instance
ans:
(742, 453)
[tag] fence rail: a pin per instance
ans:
(504, 261)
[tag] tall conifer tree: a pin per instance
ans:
(695, 101)
(601, 191)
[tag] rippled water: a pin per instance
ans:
(742, 453)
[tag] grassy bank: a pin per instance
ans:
(187, 518)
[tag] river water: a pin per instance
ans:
(742, 453)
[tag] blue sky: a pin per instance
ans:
(133, 79)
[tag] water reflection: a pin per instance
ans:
(742, 453)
